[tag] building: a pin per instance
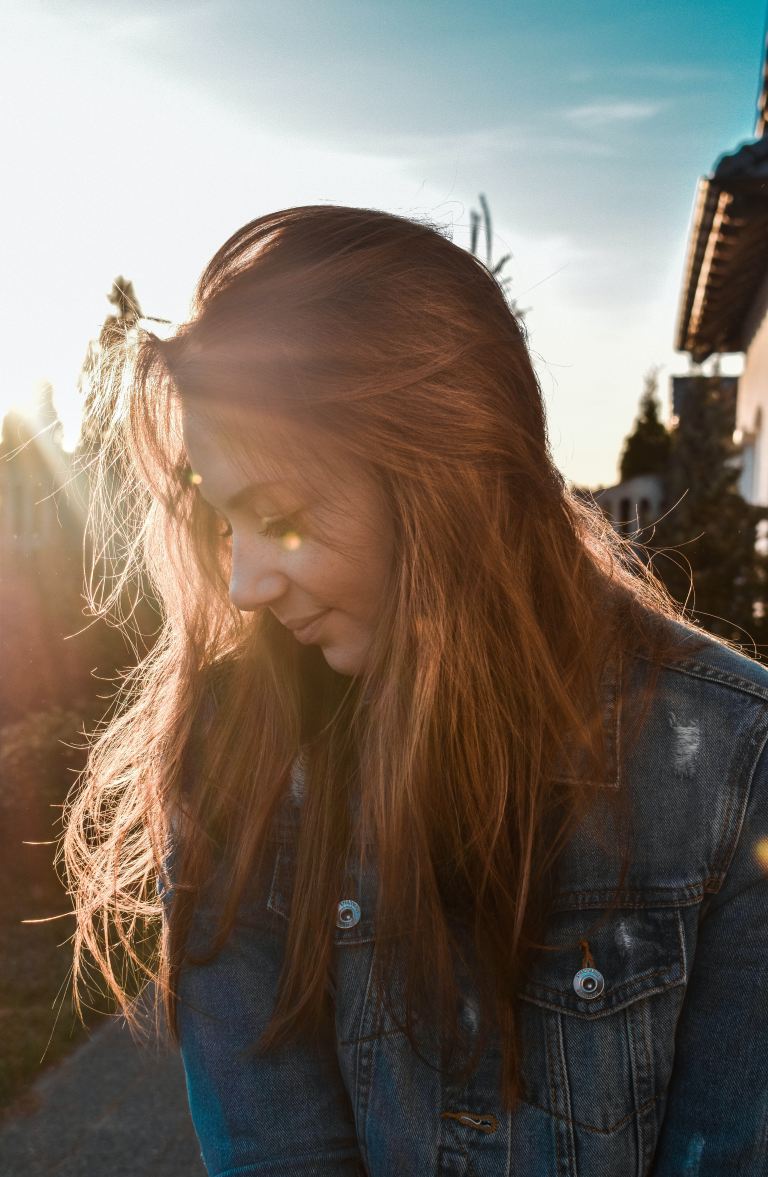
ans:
(638, 503)
(635, 504)
(685, 389)
(724, 300)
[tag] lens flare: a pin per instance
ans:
(291, 541)
(761, 853)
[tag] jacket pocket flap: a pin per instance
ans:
(359, 905)
(633, 954)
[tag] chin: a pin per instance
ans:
(344, 661)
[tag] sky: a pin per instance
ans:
(137, 136)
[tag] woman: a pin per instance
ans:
(456, 825)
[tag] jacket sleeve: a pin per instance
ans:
(716, 1119)
(283, 1114)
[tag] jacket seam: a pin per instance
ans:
(726, 678)
(758, 742)
(591, 1127)
(651, 897)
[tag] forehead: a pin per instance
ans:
(232, 447)
(236, 438)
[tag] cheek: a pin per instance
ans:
(350, 584)
(371, 575)
(350, 572)
(321, 573)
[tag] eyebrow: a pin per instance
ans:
(242, 496)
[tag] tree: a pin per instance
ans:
(476, 219)
(709, 524)
(114, 330)
(109, 352)
(647, 448)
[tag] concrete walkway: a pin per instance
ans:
(110, 1109)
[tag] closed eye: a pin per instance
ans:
(277, 528)
(272, 528)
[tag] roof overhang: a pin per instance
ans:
(727, 257)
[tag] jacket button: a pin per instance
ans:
(589, 984)
(347, 914)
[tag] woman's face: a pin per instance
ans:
(318, 559)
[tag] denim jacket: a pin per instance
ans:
(650, 1059)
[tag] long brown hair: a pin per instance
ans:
(508, 599)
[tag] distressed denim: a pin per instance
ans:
(660, 1071)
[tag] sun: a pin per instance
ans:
(41, 401)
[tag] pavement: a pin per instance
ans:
(110, 1109)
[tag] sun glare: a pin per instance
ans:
(43, 369)
(761, 853)
(32, 402)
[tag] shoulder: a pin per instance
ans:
(702, 671)
(696, 763)
(705, 658)
(701, 702)
(708, 707)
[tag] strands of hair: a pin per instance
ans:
(509, 598)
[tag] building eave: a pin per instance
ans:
(761, 125)
(727, 257)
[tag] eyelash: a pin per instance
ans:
(274, 529)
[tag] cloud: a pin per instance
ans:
(671, 72)
(479, 147)
(605, 114)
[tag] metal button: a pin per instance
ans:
(348, 914)
(589, 984)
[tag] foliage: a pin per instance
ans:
(476, 219)
(709, 523)
(34, 753)
(647, 448)
(114, 331)
(704, 547)
(39, 755)
(39, 758)
(59, 672)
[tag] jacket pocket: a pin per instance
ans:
(598, 1014)
(356, 908)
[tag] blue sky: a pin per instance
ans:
(140, 135)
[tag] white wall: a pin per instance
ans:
(634, 504)
(752, 404)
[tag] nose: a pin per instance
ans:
(256, 578)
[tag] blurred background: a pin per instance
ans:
(608, 161)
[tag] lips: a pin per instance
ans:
(308, 632)
(302, 622)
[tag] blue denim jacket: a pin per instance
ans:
(655, 1063)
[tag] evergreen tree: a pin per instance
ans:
(646, 449)
(709, 523)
